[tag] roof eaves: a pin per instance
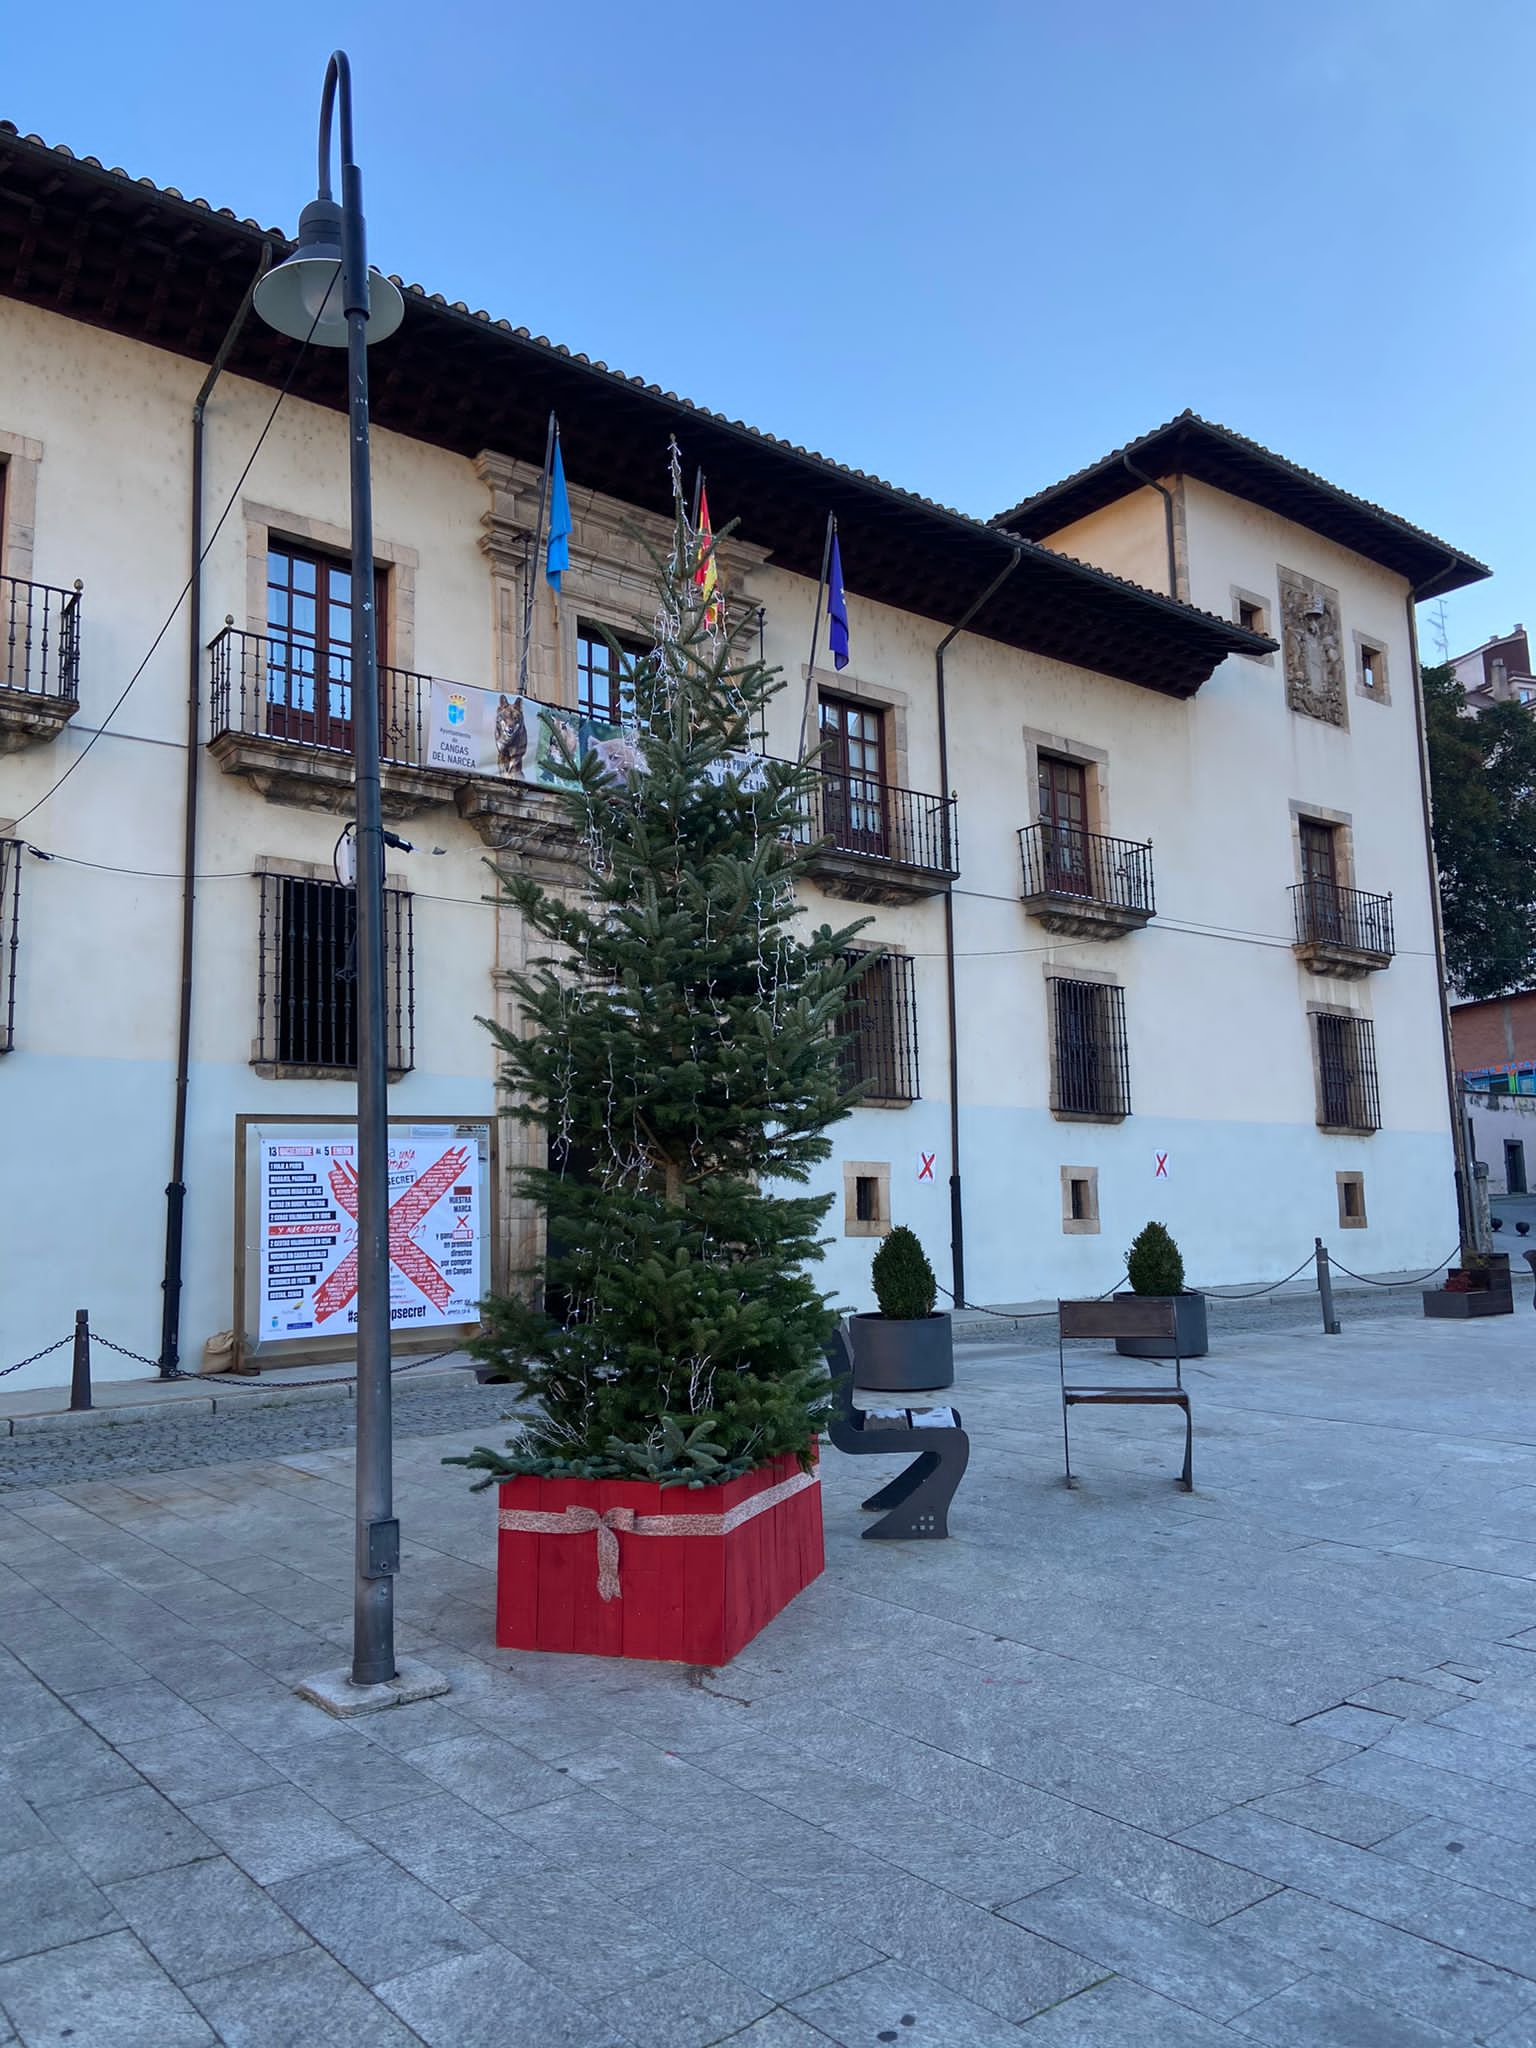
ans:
(1235, 637)
(1243, 444)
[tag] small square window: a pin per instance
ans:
(866, 1198)
(1351, 1200)
(1370, 667)
(1250, 616)
(1252, 612)
(1080, 1201)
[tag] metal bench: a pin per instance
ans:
(1130, 1316)
(917, 1500)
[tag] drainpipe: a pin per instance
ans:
(956, 1205)
(1466, 1213)
(1167, 497)
(176, 1189)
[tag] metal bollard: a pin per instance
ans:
(1325, 1289)
(80, 1377)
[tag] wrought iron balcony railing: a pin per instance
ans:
(873, 821)
(39, 640)
(1106, 874)
(1330, 916)
(276, 688)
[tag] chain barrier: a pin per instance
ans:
(1248, 1293)
(1023, 1315)
(1417, 1281)
(36, 1355)
(137, 1356)
(241, 1383)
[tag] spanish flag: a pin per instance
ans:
(706, 577)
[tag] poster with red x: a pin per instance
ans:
(307, 1242)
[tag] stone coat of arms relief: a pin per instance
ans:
(1313, 642)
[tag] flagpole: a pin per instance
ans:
(530, 580)
(810, 678)
(698, 492)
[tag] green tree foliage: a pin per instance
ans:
(1483, 779)
(1153, 1264)
(679, 1053)
(903, 1279)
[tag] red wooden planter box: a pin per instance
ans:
(687, 1599)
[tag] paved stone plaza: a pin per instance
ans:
(1123, 1768)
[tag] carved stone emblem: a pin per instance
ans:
(1313, 641)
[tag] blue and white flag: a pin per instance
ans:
(837, 608)
(557, 556)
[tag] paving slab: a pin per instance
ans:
(1222, 1743)
(105, 1993)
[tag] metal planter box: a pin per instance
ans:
(894, 1355)
(1193, 1340)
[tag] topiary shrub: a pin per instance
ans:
(904, 1284)
(1153, 1264)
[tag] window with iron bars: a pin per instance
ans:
(1090, 1061)
(10, 937)
(306, 1004)
(1346, 1072)
(877, 1046)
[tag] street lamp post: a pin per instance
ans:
(324, 293)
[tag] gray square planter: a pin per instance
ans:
(1193, 1338)
(892, 1355)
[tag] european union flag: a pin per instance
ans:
(837, 608)
(557, 556)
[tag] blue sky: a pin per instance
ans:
(967, 248)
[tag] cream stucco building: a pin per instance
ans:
(1129, 779)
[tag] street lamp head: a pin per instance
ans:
(302, 296)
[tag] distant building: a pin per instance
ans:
(1498, 672)
(1494, 1043)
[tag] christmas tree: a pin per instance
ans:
(679, 1051)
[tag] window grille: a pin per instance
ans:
(1346, 1070)
(1090, 1061)
(306, 1008)
(10, 937)
(877, 1045)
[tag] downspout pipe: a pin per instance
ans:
(956, 1201)
(1168, 520)
(176, 1189)
(1466, 1213)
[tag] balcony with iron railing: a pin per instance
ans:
(282, 718)
(876, 843)
(1085, 884)
(39, 661)
(1343, 933)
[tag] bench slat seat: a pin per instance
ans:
(1142, 1317)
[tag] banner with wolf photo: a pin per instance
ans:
(491, 732)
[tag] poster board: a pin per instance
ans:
(296, 1234)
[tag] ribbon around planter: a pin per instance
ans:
(608, 1523)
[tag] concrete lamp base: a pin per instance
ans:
(335, 1692)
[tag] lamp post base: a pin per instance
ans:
(335, 1692)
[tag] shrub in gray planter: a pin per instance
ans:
(908, 1347)
(1154, 1267)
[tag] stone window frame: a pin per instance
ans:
(1086, 1225)
(1355, 1179)
(1368, 643)
(1265, 606)
(893, 705)
(1343, 845)
(1096, 782)
(1341, 1009)
(21, 457)
(268, 951)
(879, 1171)
(1052, 971)
(265, 523)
